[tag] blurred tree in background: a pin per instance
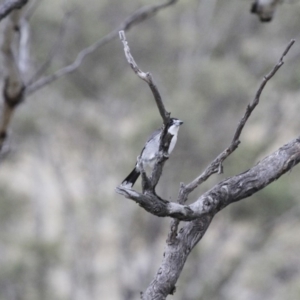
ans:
(65, 234)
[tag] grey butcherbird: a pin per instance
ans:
(151, 150)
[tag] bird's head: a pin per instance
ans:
(174, 125)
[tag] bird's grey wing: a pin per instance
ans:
(151, 147)
(153, 134)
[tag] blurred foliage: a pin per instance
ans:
(65, 234)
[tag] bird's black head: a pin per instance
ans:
(175, 121)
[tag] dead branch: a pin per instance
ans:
(137, 17)
(227, 191)
(201, 212)
(8, 6)
(179, 210)
(216, 165)
(149, 185)
(146, 77)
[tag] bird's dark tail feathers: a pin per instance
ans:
(131, 178)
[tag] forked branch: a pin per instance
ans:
(187, 212)
(216, 165)
(201, 212)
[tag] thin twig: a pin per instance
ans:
(216, 165)
(252, 106)
(146, 77)
(136, 18)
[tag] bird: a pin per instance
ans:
(151, 149)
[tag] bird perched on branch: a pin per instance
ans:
(151, 149)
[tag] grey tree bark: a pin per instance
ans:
(200, 213)
(224, 193)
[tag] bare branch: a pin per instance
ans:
(252, 106)
(146, 77)
(165, 138)
(230, 190)
(174, 258)
(137, 17)
(9, 5)
(227, 191)
(216, 165)
(201, 212)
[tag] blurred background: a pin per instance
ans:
(66, 234)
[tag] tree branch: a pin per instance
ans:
(227, 191)
(9, 5)
(137, 17)
(166, 137)
(179, 210)
(216, 165)
(201, 212)
(146, 77)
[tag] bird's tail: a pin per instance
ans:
(131, 178)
